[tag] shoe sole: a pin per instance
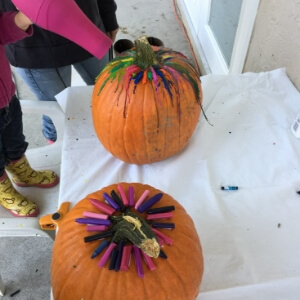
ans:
(26, 216)
(42, 186)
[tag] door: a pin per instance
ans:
(223, 28)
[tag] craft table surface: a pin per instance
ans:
(250, 237)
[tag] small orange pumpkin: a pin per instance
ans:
(146, 104)
(74, 275)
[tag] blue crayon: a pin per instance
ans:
(163, 225)
(100, 248)
(113, 258)
(118, 200)
(119, 257)
(162, 254)
(161, 209)
(98, 236)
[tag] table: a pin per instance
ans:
(250, 237)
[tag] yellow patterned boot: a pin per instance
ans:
(23, 175)
(12, 200)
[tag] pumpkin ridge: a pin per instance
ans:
(99, 280)
(124, 135)
(180, 276)
(111, 146)
(144, 125)
(179, 280)
(61, 292)
(156, 102)
(129, 136)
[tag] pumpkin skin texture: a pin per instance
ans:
(74, 275)
(146, 104)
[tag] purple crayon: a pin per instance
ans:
(93, 221)
(147, 204)
(138, 261)
(111, 201)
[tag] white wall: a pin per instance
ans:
(275, 39)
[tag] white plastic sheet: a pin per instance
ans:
(250, 237)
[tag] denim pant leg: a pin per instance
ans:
(90, 68)
(45, 84)
(12, 139)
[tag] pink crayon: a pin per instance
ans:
(94, 215)
(125, 262)
(123, 195)
(92, 228)
(142, 199)
(166, 215)
(160, 241)
(165, 238)
(106, 255)
(102, 206)
(148, 261)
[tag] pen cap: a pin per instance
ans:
(65, 18)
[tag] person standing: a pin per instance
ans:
(44, 60)
(15, 26)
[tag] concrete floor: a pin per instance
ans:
(24, 263)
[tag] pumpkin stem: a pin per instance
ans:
(130, 226)
(145, 56)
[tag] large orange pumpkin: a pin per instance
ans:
(146, 104)
(74, 275)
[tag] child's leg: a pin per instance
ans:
(13, 140)
(12, 200)
(14, 147)
(45, 84)
(9, 198)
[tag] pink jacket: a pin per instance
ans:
(9, 33)
(65, 18)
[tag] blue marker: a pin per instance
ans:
(229, 188)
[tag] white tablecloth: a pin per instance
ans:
(250, 237)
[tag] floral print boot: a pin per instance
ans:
(23, 175)
(18, 205)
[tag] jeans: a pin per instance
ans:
(46, 83)
(12, 139)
